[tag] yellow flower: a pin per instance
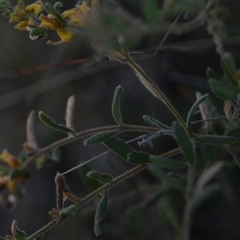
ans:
(10, 159)
(65, 35)
(49, 23)
(18, 15)
(78, 15)
(36, 7)
(22, 25)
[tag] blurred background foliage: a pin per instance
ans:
(36, 76)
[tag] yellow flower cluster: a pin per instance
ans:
(39, 17)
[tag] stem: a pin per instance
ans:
(66, 140)
(101, 189)
(149, 84)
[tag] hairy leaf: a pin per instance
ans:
(101, 213)
(116, 105)
(49, 122)
(153, 122)
(106, 178)
(100, 137)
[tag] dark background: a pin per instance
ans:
(27, 83)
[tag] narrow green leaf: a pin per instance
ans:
(106, 178)
(235, 156)
(57, 6)
(116, 105)
(184, 142)
(151, 11)
(224, 90)
(38, 33)
(119, 147)
(15, 173)
(169, 180)
(167, 163)
(2, 238)
(229, 67)
(155, 123)
(206, 193)
(149, 200)
(215, 139)
(193, 110)
(68, 211)
(4, 170)
(8, 237)
(49, 122)
(170, 215)
(50, 9)
(100, 137)
(138, 157)
(213, 75)
(101, 213)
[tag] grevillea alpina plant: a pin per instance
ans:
(193, 180)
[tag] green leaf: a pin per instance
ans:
(213, 75)
(149, 200)
(119, 147)
(169, 180)
(15, 173)
(101, 213)
(167, 163)
(155, 123)
(184, 142)
(91, 183)
(68, 211)
(106, 178)
(206, 193)
(38, 33)
(50, 9)
(193, 110)
(138, 157)
(235, 156)
(8, 237)
(215, 139)
(224, 90)
(229, 67)
(100, 137)
(170, 215)
(151, 11)
(2, 238)
(49, 122)
(116, 105)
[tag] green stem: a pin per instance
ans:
(101, 189)
(82, 134)
(149, 84)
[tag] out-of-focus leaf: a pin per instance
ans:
(106, 178)
(68, 211)
(229, 67)
(116, 105)
(49, 122)
(213, 75)
(235, 156)
(169, 180)
(224, 90)
(119, 147)
(193, 110)
(170, 215)
(16, 173)
(101, 213)
(100, 137)
(155, 123)
(167, 163)
(4, 170)
(151, 11)
(206, 193)
(206, 176)
(184, 142)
